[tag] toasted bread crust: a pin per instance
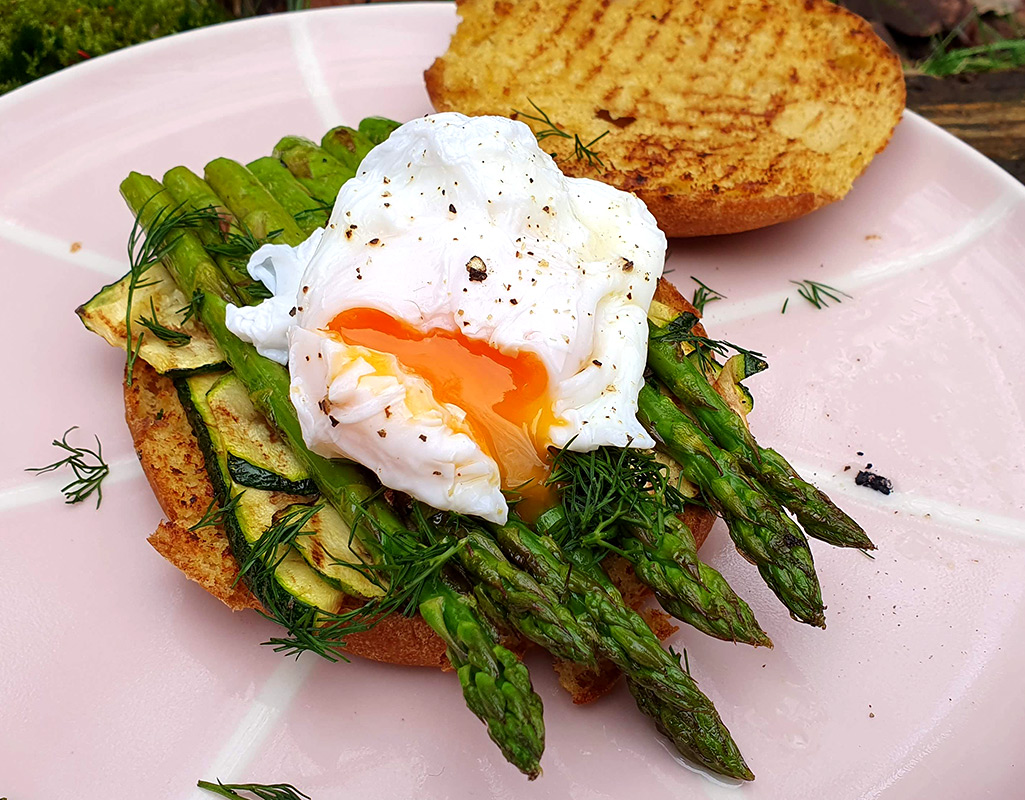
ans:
(750, 112)
(173, 463)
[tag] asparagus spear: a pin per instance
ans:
(704, 599)
(495, 684)
(283, 186)
(625, 491)
(377, 129)
(761, 532)
(251, 203)
(707, 603)
(622, 636)
(348, 145)
(187, 187)
(519, 601)
(320, 172)
(814, 510)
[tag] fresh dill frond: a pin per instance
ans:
(87, 465)
(581, 150)
(704, 295)
(680, 331)
(323, 208)
(544, 119)
(257, 291)
(411, 558)
(241, 245)
(272, 547)
(607, 487)
(585, 151)
(191, 311)
(215, 515)
(148, 246)
(784, 309)
(818, 294)
(262, 791)
(162, 332)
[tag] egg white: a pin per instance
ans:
(465, 224)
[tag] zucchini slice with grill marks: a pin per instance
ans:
(104, 314)
(247, 436)
(328, 540)
(293, 587)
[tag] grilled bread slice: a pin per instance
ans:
(722, 115)
(173, 462)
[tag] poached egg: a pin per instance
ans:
(466, 307)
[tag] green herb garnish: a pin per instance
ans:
(282, 534)
(146, 249)
(215, 515)
(704, 295)
(263, 791)
(580, 150)
(191, 311)
(818, 294)
(680, 331)
(241, 245)
(411, 560)
(609, 486)
(162, 332)
(323, 208)
(87, 465)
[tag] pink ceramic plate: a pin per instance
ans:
(118, 678)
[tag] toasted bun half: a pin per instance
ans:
(173, 463)
(722, 116)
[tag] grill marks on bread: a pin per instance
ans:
(743, 112)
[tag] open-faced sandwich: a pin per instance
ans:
(416, 395)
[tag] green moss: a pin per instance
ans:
(38, 37)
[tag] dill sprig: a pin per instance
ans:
(241, 245)
(147, 245)
(87, 465)
(174, 338)
(580, 150)
(818, 294)
(191, 310)
(272, 547)
(263, 791)
(215, 515)
(257, 291)
(611, 486)
(411, 560)
(680, 331)
(704, 295)
(323, 208)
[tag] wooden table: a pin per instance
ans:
(985, 110)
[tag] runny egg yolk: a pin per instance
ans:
(506, 398)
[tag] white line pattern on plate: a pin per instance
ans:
(312, 74)
(48, 486)
(253, 729)
(876, 271)
(60, 249)
(973, 520)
